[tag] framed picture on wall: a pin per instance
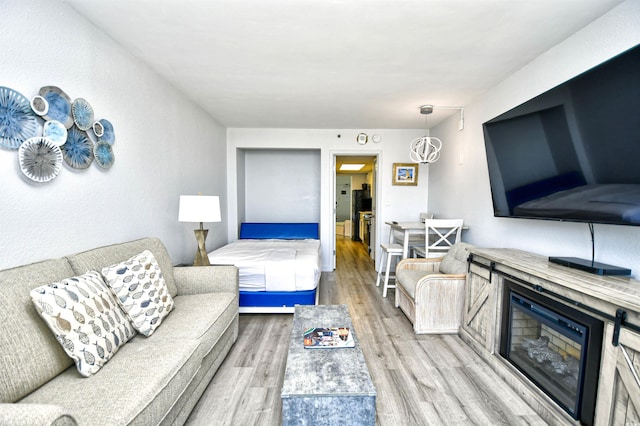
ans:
(405, 174)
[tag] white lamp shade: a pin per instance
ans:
(199, 208)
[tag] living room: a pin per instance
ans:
(167, 145)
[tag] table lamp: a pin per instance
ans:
(200, 208)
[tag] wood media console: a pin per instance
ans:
(568, 341)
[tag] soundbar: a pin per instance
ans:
(590, 266)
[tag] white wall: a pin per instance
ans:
(165, 145)
(282, 185)
(393, 202)
(463, 189)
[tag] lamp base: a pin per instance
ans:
(202, 258)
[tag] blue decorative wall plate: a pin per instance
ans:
(39, 105)
(107, 132)
(59, 105)
(55, 131)
(78, 150)
(98, 129)
(17, 121)
(40, 159)
(104, 154)
(82, 114)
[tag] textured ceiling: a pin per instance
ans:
(336, 64)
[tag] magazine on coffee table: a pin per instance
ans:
(328, 338)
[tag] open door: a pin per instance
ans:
(355, 193)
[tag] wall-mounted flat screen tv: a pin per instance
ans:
(572, 153)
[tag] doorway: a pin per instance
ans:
(355, 199)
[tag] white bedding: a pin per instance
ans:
(272, 265)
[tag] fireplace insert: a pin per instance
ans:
(554, 345)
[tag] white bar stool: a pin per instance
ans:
(387, 252)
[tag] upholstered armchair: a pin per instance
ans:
(430, 291)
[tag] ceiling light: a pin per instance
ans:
(351, 167)
(427, 148)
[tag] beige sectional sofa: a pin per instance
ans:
(150, 380)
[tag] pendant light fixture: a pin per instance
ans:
(427, 148)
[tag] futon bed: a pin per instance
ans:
(278, 264)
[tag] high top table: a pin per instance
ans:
(408, 229)
(326, 386)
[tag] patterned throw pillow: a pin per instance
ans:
(141, 291)
(86, 319)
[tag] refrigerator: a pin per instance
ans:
(360, 201)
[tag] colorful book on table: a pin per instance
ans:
(328, 338)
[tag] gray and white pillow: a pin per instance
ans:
(86, 319)
(141, 290)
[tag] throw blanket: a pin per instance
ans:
(280, 270)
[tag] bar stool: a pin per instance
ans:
(387, 252)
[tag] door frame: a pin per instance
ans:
(376, 207)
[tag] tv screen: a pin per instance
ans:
(572, 153)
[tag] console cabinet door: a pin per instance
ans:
(479, 306)
(618, 400)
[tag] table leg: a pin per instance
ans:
(405, 247)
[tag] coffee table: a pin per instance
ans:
(326, 386)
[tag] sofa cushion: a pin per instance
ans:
(455, 261)
(200, 317)
(96, 259)
(29, 353)
(137, 387)
(85, 318)
(212, 321)
(140, 288)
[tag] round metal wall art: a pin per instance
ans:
(107, 131)
(78, 150)
(55, 131)
(98, 129)
(59, 105)
(17, 121)
(103, 154)
(82, 114)
(49, 130)
(40, 159)
(39, 105)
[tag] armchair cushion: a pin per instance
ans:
(409, 278)
(455, 261)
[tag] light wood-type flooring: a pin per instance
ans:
(420, 379)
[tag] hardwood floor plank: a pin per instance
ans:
(420, 379)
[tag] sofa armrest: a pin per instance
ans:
(441, 279)
(206, 279)
(428, 265)
(34, 414)
(439, 283)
